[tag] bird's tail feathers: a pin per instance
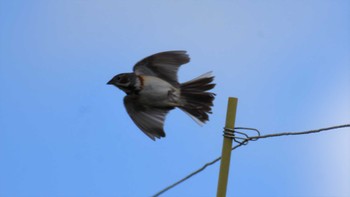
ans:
(197, 102)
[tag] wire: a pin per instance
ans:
(244, 142)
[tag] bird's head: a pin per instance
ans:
(124, 81)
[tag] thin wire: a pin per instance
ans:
(245, 141)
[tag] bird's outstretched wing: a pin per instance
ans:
(150, 120)
(163, 65)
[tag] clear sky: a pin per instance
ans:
(64, 132)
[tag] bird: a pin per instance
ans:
(152, 90)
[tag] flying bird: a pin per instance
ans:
(152, 90)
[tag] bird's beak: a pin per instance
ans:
(110, 82)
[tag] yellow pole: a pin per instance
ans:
(226, 148)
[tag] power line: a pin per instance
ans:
(244, 142)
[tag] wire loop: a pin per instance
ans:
(241, 137)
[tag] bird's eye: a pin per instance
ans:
(122, 79)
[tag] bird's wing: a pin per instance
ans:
(149, 119)
(163, 65)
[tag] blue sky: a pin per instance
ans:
(65, 133)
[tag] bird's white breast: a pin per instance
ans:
(157, 92)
